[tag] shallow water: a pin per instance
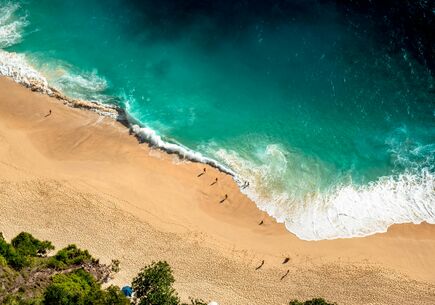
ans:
(334, 131)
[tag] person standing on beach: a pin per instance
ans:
(225, 198)
(261, 265)
(203, 172)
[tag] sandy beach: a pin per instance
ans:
(77, 177)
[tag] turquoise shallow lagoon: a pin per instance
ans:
(334, 131)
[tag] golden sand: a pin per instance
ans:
(77, 177)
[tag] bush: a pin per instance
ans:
(13, 258)
(153, 285)
(70, 289)
(3, 261)
(22, 249)
(80, 288)
(317, 301)
(69, 256)
(113, 296)
(27, 245)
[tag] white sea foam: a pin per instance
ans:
(78, 84)
(17, 67)
(12, 64)
(10, 25)
(344, 212)
(150, 136)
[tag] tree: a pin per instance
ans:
(70, 256)
(113, 296)
(69, 289)
(27, 245)
(13, 258)
(80, 288)
(153, 285)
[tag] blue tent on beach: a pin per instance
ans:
(127, 290)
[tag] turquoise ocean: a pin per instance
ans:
(334, 132)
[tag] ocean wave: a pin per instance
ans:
(80, 84)
(150, 136)
(343, 212)
(11, 26)
(17, 67)
(12, 64)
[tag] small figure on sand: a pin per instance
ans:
(203, 172)
(286, 260)
(261, 222)
(282, 277)
(261, 265)
(225, 198)
(49, 113)
(245, 185)
(215, 181)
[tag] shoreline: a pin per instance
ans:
(38, 83)
(89, 181)
(23, 73)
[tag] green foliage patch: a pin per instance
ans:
(153, 285)
(69, 256)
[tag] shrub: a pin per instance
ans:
(316, 301)
(23, 247)
(13, 258)
(69, 256)
(70, 289)
(80, 288)
(3, 261)
(153, 285)
(27, 245)
(113, 296)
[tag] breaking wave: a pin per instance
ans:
(342, 212)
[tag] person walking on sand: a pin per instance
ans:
(49, 113)
(225, 198)
(261, 265)
(216, 180)
(203, 172)
(285, 275)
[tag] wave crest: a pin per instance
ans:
(11, 27)
(344, 212)
(150, 136)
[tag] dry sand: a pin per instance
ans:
(77, 177)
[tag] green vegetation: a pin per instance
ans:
(27, 245)
(317, 301)
(73, 277)
(70, 277)
(70, 256)
(80, 287)
(153, 285)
